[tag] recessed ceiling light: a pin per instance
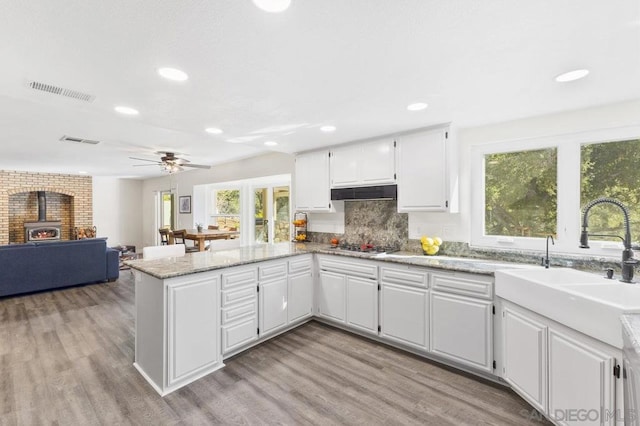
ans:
(273, 6)
(213, 130)
(328, 129)
(418, 106)
(82, 172)
(572, 76)
(173, 74)
(271, 143)
(126, 110)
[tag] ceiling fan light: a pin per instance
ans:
(272, 6)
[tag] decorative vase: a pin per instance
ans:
(199, 228)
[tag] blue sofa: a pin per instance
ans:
(46, 265)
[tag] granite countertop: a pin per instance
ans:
(193, 263)
(631, 327)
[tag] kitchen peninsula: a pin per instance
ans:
(196, 310)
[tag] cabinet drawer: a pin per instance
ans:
(404, 276)
(237, 335)
(466, 285)
(272, 270)
(238, 312)
(238, 278)
(234, 297)
(349, 267)
(300, 264)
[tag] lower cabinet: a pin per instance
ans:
(239, 308)
(300, 299)
(192, 325)
(525, 357)
(404, 315)
(362, 304)
(273, 305)
(332, 296)
(580, 377)
(564, 374)
(462, 329)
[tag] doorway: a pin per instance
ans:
(272, 214)
(167, 210)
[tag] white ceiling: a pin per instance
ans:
(259, 76)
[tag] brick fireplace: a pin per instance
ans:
(69, 200)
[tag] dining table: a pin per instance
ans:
(199, 237)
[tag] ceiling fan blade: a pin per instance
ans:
(181, 160)
(196, 166)
(144, 159)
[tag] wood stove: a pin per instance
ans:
(42, 229)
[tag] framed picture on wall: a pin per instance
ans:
(184, 204)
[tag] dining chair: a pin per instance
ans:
(179, 238)
(164, 236)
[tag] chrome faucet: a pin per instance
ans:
(628, 262)
(545, 260)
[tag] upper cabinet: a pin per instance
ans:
(312, 192)
(363, 164)
(427, 172)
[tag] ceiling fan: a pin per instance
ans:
(169, 162)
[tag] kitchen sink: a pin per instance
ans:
(583, 301)
(626, 296)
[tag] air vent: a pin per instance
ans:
(55, 90)
(78, 140)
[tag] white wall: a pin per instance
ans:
(116, 210)
(456, 227)
(265, 165)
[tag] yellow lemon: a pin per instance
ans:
(423, 239)
(428, 241)
(432, 250)
(437, 241)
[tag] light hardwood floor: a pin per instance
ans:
(66, 358)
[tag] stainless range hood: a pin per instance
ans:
(384, 192)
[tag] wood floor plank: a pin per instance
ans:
(66, 358)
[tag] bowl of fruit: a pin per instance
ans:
(430, 245)
(301, 237)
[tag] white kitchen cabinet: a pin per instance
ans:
(273, 306)
(580, 378)
(404, 303)
(404, 315)
(192, 323)
(362, 304)
(363, 164)
(564, 374)
(273, 295)
(239, 308)
(311, 182)
(461, 329)
(332, 296)
(525, 356)
(300, 304)
(427, 172)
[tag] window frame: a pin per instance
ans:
(568, 191)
